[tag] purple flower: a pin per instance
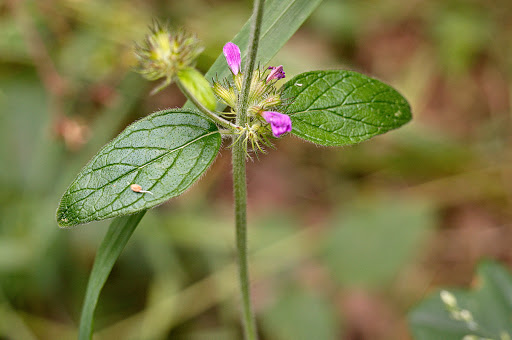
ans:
(280, 123)
(232, 54)
(276, 73)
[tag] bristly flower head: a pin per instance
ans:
(164, 52)
(265, 101)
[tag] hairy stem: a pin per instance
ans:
(239, 177)
(252, 51)
(240, 195)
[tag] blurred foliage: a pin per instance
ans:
(344, 241)
(489, 307)
(300, 315)
(388, 232)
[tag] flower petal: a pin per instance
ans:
(280, 123)
(276, 73)
(232, 54)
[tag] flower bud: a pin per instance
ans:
(198, 86)
(233, 58)
(225, 93)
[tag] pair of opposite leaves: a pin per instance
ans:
(167, 151)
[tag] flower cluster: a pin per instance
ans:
(171, 55)
(263, 103)
(165, 52)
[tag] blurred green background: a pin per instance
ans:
(343, 241)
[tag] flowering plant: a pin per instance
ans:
(263, 96)
(162, 155)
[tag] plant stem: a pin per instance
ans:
(252, 51)
(219, 120)
(240, 180)
(240, 198)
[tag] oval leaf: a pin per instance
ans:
(164, 153)
(337, 108)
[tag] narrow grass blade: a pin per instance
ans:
(117, 236)
(281, 19)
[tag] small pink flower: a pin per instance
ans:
(276, 73)
(280, 123)
(232, 54)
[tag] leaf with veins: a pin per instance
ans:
(164, 153)
(337, 108)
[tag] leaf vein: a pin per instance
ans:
(140, 167)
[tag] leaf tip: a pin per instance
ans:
(65, 216)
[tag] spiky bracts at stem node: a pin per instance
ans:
(264, 101)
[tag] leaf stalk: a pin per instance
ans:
(212, 115)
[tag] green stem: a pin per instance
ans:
(219, 120)
(252, 51)
(240, 197)
(240, 180)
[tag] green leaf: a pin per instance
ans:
(337, 108)
(281, 19)
(164, 153)
(490, 304)
(198, 86)
(118, 234)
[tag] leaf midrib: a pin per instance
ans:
(136, 169)
(343, 117)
